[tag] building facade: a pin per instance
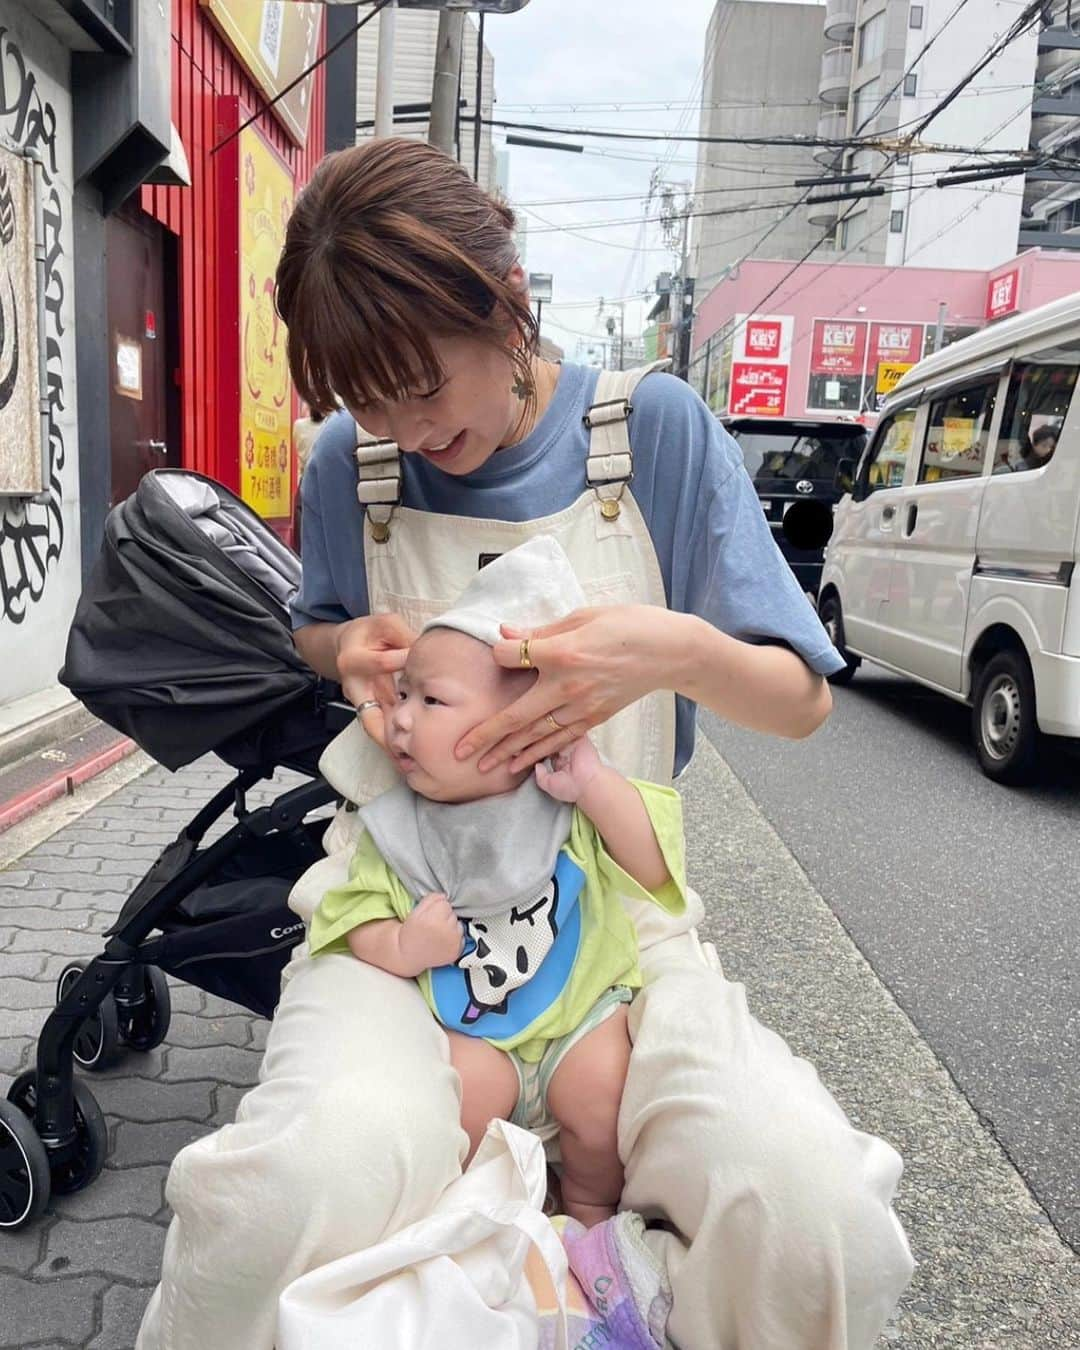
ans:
(40, 527)
(1051, 208)
(147, 336)
(873, 80)
(850, 68)
(836, 337)
(760, 78)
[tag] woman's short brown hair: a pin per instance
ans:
(392, 244)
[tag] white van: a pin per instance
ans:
(952, 559)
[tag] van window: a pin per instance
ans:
(888, 458)
(957, 432)
(1040, 391)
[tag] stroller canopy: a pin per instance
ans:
(181, 637)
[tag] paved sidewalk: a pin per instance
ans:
(992, 1274)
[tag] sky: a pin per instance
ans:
(609, 64)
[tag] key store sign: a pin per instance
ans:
(763, 339)
(1003, 294)
(758, 389)
(839, 347)
(895, 343)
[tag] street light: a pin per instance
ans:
(540, 289)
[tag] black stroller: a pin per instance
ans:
(181, 640)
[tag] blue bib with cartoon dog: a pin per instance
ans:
(516, 965)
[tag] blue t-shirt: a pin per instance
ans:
(716, 551)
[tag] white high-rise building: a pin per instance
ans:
(853, 67)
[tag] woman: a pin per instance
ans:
(406, 304)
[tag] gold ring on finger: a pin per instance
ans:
(523, 655)
(550, 717)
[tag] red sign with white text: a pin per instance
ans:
(757, 390)
(839, 347)
(895, 344)
(762, 339)
(1003, 294)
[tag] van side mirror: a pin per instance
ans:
(844, 478)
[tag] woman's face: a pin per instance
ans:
(458, 424)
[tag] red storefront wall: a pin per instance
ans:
(203, 70)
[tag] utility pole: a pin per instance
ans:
(609, 324)
(384, 71)
(479, 97)
(675, 222)
(447, 79)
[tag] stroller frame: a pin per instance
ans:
(64, 1145)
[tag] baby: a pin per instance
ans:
(502, 894)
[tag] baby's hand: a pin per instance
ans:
(431, 935)
(571, 771)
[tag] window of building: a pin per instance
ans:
(853, 231)
(835, 393)
(886, 464)
(952, 333)
(1067, 218)
(915, 16)
(957, 433)
(872, 39)
(896, 222)
(911, 83)
(863, 104)
(1040, 391)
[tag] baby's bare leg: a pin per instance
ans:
(489, 1085)
(584, 1096)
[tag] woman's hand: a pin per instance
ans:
(368, 652)
(591, 665)
(571, 771)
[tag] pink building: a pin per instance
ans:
(835, 337)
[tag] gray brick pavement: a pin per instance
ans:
(81, 1277)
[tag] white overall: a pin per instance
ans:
(789, 1239)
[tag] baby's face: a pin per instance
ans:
(450, 684)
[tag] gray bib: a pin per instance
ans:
(487, 856)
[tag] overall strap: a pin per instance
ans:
(610, 465)
(378, 486)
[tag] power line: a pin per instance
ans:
(620, 106)
(900, 180)
(797, 141)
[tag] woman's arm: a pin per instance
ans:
(766, 688)
(317, 644)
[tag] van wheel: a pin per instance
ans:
(1003, 722)
(832, 620)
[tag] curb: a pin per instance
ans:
(62, 783)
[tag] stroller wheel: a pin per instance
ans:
(97, 1042)
(144, 1025)
(24, 1169)
(79, 1165)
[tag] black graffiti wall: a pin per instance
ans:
(39, 564)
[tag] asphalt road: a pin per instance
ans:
(964, 897)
